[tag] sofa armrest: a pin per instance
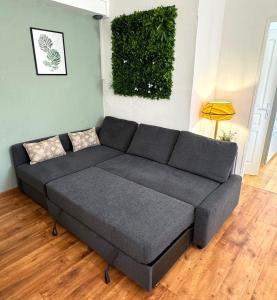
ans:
(215, 209)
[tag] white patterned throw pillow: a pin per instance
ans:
(44, 150)
(83, 139)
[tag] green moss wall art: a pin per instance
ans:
(143, 53)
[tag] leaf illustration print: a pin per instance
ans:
(45, 43)
(47, 63)
(54, 58)
(53, 55)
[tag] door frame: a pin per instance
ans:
(258, 79)
(270, 130)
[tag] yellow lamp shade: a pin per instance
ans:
(218, 110)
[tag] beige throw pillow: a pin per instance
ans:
(83, 139)
(44, 150)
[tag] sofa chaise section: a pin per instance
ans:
(137, 222)
(33, 178)
(40, 174)
(115, 136)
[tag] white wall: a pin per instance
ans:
(243, 35)
(173, 113)
(208, 43)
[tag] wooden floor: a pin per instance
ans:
(267, 177)
(239, 263)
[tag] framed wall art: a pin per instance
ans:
(49, 52)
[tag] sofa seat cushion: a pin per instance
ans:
(204, 156)
(117, 133)
(39, 174)
(153, 142)
(176, 183)
(138, 221)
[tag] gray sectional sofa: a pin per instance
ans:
(141, 197)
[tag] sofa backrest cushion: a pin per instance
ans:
(117, 133)
(153, 142)
(204, 156)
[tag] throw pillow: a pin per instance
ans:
(44, 150)
(83, 139)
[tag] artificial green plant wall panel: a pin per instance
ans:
(143, 53)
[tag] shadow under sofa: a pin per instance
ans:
(141, 197)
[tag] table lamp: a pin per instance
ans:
(218, 111)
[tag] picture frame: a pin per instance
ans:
(49, 51)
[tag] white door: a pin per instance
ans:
(263, 105)
(273, 142)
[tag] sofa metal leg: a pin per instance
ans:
(107, 278)
(54, 230)
(111, 261)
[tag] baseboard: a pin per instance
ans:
(9, 192)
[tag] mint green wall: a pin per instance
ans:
(34, 106)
